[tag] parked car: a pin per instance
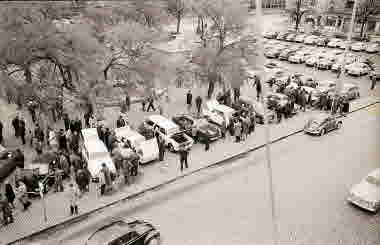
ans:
(281, 36)
(204, 129)
(125, 233)
(326, 86)
(326, 63)
(322, 41)
(312, 60)
(95, 153)
(352, 91)
(185, 122)
(349, 60)
(286, 53)
(218, 113)
(273, 53)
(174, 138)
(309, 81)
(358, 69)
(333, 43)
(272, 65)
(372, 48)
(366, 194)
(270, 34)
(343, 45)
(321, 124)
(311, 40)
(299, 57)
(9, 160)
(146, 149)
(253, 107)
(275, 100)
(359, 46)
(300, 38)
(290, 37)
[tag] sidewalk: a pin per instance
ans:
(154, 174)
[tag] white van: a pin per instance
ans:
(218, 113)
(174, 139)
(147, 150)
(95, 153)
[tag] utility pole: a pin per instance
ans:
(261, 60)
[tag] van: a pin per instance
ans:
(218, 113)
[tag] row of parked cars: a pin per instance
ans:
(323, 41)
(320, 58)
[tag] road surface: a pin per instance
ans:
(230, 204)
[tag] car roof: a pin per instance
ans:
(127, 133)
(162, 121)
(89, 133)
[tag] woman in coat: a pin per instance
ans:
(10, 194)
(73, 197)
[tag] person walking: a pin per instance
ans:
(66, 121)
(1, 133)
(236, 94)
(62, 142)
(237, 131)
(126, 169)
(339, 71)
(207, 143)
(346, 106)
(183, 158)
(373, 82)
(10, 194)
(16, 126)
(22, 131)
(198, 104)
(189, 98)
(120, 122)
(161, 149)
(22, 195)
(127, 101)
(150, 104)
(73, 197)
(58, 180)
(6, 210)
(258, 87)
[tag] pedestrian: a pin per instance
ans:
(78, 125)
(127, 101)
(339, 71)
(39, 134)
(22, 195)
(252, 123)
(278, 114)
(16, 126)
(88, 176)
(236, 94)
(112, 140)
(81, 180)
(66, 121)
(64, 164)
(183, 154)
(246, 127)
(345, 106)
(126, 171)
(189, 98)
(73, 196)
(258, 87)
(106, 138)
(150, 104)
(237, 131)
(210, 90)
(303, 100)
(86, 118)
(62, 142)
(1, 133)
(6, 210)
(143, 103)
(207, 143)
(93, 121)
(198, 104)
(58, 180)
(373, 82)
(22, 131)
(120, 122)
(10, 194)
(107, 177)
(223, 131)
(161, 149)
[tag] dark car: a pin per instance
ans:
(271, 35)
(185, 122)
(277, 100)
(204, 129)
(321, 124)
(9, 160)
(119, 232)
(281, 35)
(272, 65)
(322, 41)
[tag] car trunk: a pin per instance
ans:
(180, 138)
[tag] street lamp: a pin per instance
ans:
(267, 130)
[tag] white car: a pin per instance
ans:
(366, 194)
(343, 44)
(359, 46)
(173, 137)
(300, 38)
(333, 43)
(95, 153)
(298, 57)
(349, 60)
(352, 91)
(147, 150)
(326, 86)
(311, 40)
(218, 113)
(358, 69)
(372, 48)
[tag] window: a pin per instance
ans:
(150, 123)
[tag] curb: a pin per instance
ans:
(159, 186)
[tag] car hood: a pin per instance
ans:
(366, 191)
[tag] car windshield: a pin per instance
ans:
(373, 180)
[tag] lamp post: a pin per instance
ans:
(260, 50)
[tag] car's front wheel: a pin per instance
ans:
(153, 241)
(323, 131)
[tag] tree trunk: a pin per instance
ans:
(297, 22)
(362, 28)
(178, 21)
(28, 74)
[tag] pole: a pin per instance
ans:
(260, 62)
(349, 37)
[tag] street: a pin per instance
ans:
(230, 204)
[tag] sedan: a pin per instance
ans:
(281, 36)
(326, 63)
(366, 194)
(321, 124)
(311, 40)
(185, 122)
(300, 38)
(372, 48)
(286, 53)
(291, 37)
(271, 34)
(359, 46)
(272, 65)
(297, 58)
(333, 43)
(206, 130)
(273, 53)
(121, 232)
(358, 69)
(326, 86)
(275, 100)
(322, 41)
(352, 91)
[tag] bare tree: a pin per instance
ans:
(177, 9)
(365, 10)
(297, 10)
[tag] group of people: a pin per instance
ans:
(189, 102)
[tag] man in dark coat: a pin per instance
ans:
(127, 101)
(189, 98)
(6, 210)
(183, 154)
(150, 104)
(258, 87)
(75, 142)
(161, 149)
(16, 125)
(373, 82)
(207, 143)
(86, 118)
(120, 122)
(78, 125)
(62, 142)
(10, 194)
(198, 103)
(236, 94)
(22, 131)
(106, 138)
(1, 133)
